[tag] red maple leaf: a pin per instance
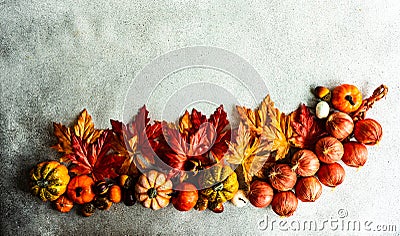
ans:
(188, 148)
(196, 142)
(189, 123)
(223, 131)
(197, 119)
(94, 158)
(136, 141)
(151, 144)
(307, 128)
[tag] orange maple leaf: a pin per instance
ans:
(83, 129)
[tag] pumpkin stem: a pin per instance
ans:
(42, 183)
(173, 194)
(152, 192)
(78, 191)
(350, 99)
(218, 187)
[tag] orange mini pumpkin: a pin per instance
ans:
(153, 190)
(186, 197)
(346, 98)
(115, 194)
(63, 204)
(80, 189)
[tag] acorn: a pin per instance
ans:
(129, 197)
(323, 93)
(125, 181)
(88, 209)
(219, 208)
(102, 203)
(101, 188)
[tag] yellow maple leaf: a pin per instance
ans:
(256, 120)
(85, 128)
(268, 121)
(251, 153)
(185, 123)
(279, 131)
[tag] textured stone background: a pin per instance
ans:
(57, 57)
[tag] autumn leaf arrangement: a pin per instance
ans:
(200, 162)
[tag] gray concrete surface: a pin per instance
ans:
(58, 57)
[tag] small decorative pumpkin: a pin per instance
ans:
(49, 180)
(346, 98)
(153, 189)
(63, 204)
(186, 197)
(224, 185)
(80, 189)
(115, 194)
